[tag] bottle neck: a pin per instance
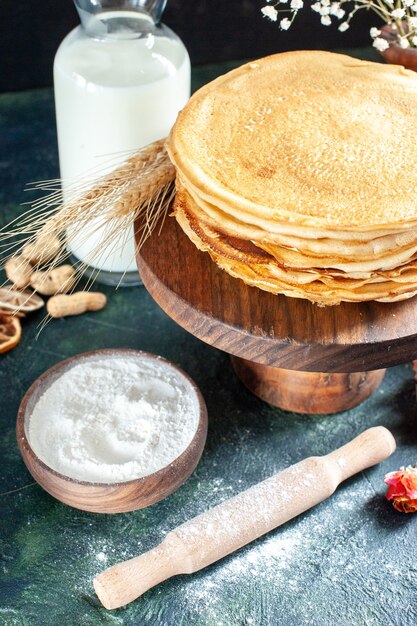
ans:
(117, 24)
(120, 19)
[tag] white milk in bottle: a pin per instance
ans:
(120, 80)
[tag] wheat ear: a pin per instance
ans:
(139, 189)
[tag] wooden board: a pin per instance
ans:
(272, 330)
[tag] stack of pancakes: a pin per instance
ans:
(297, 173)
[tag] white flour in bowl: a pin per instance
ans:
(114, 419)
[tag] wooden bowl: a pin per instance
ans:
(104, 497)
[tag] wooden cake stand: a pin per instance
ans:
(289, 352)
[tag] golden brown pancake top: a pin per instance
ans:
(312, 137)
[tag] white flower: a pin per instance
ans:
(270, 12)
(316, 7)
(285, 23)
(324, 11)
(404, 43)
(343, 26)
(414, 7)
(380, 44)
(374, 32)
(296, 4)
(408, 3)
(336, 10)
(325, 20)
(398, 13)
(414, 40)
(413, 22)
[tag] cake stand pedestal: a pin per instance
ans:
(289, 352)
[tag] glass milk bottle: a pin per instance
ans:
(120, 79)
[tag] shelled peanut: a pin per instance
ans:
(23, 270)
(43, 250)
(76, 303)
(19, 271)
(58, 280)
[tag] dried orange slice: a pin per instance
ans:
(6, 311)
(14, 300)
(10, 332)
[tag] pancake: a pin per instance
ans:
(241, 260)
(382, 253)
(316, 137)
(288, 223)
(291, 227)
(295, 174)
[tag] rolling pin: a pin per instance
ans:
(242, 519)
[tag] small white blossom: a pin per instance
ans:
(343, 26)
(270, 12)
(380, 44)
(398, 13)
(393, 13)
(336, 10)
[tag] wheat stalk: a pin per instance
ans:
(141, 188)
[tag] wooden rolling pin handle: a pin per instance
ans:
(243, 518)
(125, 581)
(369, 448)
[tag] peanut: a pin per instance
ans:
(19, 271)
(76, 303)
(59, 280)
(45, 248)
